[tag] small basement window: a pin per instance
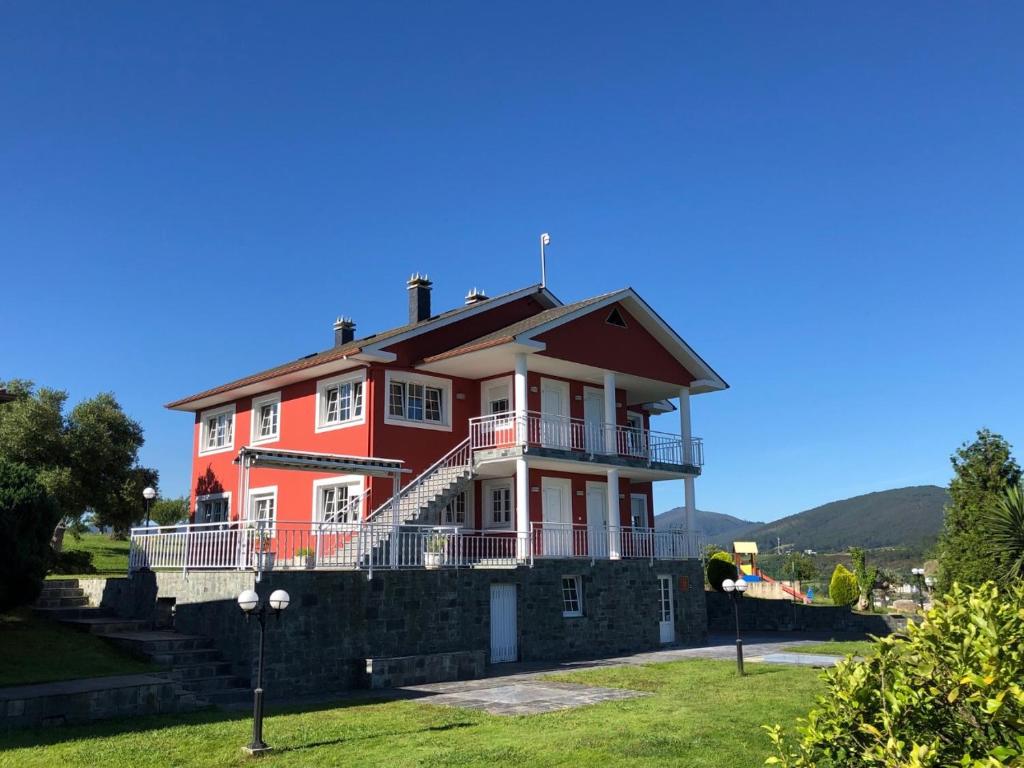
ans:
(572, 596)
(615, 318)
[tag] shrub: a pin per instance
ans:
(948, 694)
(843, 587)
(27, 518)
(719, 570)
(72, 561)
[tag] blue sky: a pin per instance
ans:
(825, 200)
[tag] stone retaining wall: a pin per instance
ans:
(339, 619)
(758, 615)
(397, 671)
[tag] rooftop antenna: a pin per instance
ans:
(545, 240)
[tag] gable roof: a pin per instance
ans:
(525, 332)
(365, 348)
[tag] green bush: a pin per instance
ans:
(73, 561)
(719, 570)
(27, 518)
(843, 587)
(948, 694)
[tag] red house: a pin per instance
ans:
(508, 429)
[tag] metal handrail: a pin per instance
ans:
(457, 457)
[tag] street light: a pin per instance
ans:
(148, 493)
(919, 573)
(249, 602)
(735, 590)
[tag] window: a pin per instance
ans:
(638, 510)
(340, 401)
(338, 500)
(418, 400)
(498, 505)
(263, 506)
(217, 430)
(266, 418)
(572, 596)
(213, 508)
(615, 318)
(454, 512)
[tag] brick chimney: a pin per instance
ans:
(344, 330)
(419, 297)
(475, 296)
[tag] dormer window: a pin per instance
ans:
(217, 430)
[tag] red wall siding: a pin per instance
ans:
(591, 341)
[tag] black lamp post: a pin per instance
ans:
(919, 573)
(735, 590)
(250, 604)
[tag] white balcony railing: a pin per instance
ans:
(374, 546)
(532, 429)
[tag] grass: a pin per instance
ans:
(34, 650)
(837, 647)
(109, 556)
(699, 715)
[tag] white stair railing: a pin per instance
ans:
(430, 483)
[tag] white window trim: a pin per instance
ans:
(212, 497)
(205, 416)
(470, 510)
(485, 505)
(356, 481)
(254, 419)
(266, 490)
(445, 385)
(647, 509)
(505, 381)
(323, 385)
(579, 597)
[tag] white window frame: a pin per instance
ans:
(488, 486)
(274, 398)
(578, 585)
(213, 413)
(356, 485)
(647, 510)
(257, 493)
(445, 385)
(321, 391)
(502, 381)
(204, 497)
(468, 518)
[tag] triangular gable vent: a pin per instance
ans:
(615, 318)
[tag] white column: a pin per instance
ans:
(609, 413)
(614, 531)
(522, 509)
(519, 396)
(686, 434)
(396, 487)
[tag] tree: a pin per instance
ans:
(88, 459)
(982, 470)
(843, 586)
(946, 694)
(719, 569)
(27, 518)
(866, 578)
(799, 567)
(169, 511)
(1006, 526)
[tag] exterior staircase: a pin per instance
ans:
(200, 671)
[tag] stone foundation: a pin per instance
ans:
(758, 615)
(397, 671)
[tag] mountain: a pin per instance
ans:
(901, 517)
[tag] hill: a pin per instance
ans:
(901, 517)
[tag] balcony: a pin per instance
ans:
(562, 436)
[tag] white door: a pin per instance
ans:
(554, 407)
(504, 636)
(593, 419)
(597, 519)
(556, 507)
(667, 623)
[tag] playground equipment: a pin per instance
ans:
(744, 555)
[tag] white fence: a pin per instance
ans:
(370, 546)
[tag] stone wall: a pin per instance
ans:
(778, 616)
(339, 619)
(396, 671)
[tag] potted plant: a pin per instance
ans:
(309, 555)
(263, 553)
(433, 550)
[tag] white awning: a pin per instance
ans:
(319, 462)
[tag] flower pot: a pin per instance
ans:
(431, 560)
(310, 562)
(266, 561)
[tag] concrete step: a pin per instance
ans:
(61, 584)
(81, 601)
(105, 625)
(186, 658)
(201, 686)
(148, 642)
(64, 614)
(50, 593)
(186, 672)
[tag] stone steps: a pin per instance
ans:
(105, 625)
(70, 601)
(186, 658)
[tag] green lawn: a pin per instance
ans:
(699, 714)
(109, 556)
(837, 647)
(34, 650)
